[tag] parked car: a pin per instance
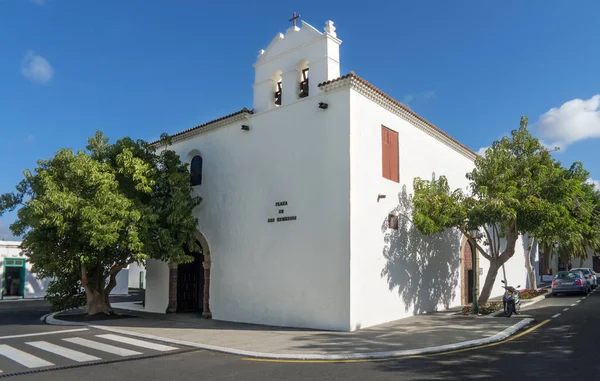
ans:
(573, 281)
(590, 276)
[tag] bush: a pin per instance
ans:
(484, 309)
(65, 294)
(530, 294)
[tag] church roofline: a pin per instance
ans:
(365, 88)
(386, 101)
(227, 119)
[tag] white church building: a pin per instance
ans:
(305, 219)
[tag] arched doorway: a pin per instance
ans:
(190, 283)
(466, 271)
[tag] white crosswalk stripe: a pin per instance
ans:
(76, 349)
(62, 351)
(137, 343)
(102, 347)
(23, 358)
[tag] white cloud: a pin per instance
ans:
(29, 139)
(36, 68)
(482, 150)
(575, 120)
(424, 95)
(596, 183)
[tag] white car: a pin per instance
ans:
(590, 276)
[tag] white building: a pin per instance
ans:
(17, 281)
(305, 218)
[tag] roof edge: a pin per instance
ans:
(208, 126)
(403, 111)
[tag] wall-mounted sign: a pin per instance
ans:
(281, 211)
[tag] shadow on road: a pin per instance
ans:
(566, 346)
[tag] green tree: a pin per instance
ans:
(84, 216)
(585, 208)
(570, 220)
(517, 188)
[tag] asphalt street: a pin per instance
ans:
(562, 343)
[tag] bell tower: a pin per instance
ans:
(294, 63)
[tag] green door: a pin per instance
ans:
(14, 262)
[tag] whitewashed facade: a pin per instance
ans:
(18, 282)
(16, 279)
(296, 208)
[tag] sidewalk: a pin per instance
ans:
(429, 333)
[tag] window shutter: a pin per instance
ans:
(385, 152)
(394, 157)
(389, 154)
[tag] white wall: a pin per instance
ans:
(585, 263)
(134, 275)
(516, 273)
(398, 273)
(122, 287)
(291, 273)
(157, 288)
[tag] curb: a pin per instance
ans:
(500, 336)
(529, 302)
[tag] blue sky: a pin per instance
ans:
(142, 67)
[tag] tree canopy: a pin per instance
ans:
(516, 188)
(84, 216)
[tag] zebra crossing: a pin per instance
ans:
(30, 352)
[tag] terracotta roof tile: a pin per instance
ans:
(374, 88)
(242, 111)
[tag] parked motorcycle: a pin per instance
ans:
(511, 300)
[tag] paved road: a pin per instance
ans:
(563, 347)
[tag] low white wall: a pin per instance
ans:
(157, 287)
(122, 287)
(34, 287)
(134, 276)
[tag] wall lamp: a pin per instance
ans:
(323, 105)
(380, 196)
(245, 127)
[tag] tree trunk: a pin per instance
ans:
(95, 303)
(490, 279)
(531, 280)
(94, 294)
(112, 283)
(554, 262)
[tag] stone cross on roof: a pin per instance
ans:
(294, 18)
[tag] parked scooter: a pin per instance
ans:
(511, 300)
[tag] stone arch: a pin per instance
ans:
(206, 266)
(192, 153)
(277, 87)
(195, 163)
(466, 267)
(302, 78)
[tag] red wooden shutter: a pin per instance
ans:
(389, 154)
(385, 152)
(394, 157)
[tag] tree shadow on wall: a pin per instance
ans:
(424, 269)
